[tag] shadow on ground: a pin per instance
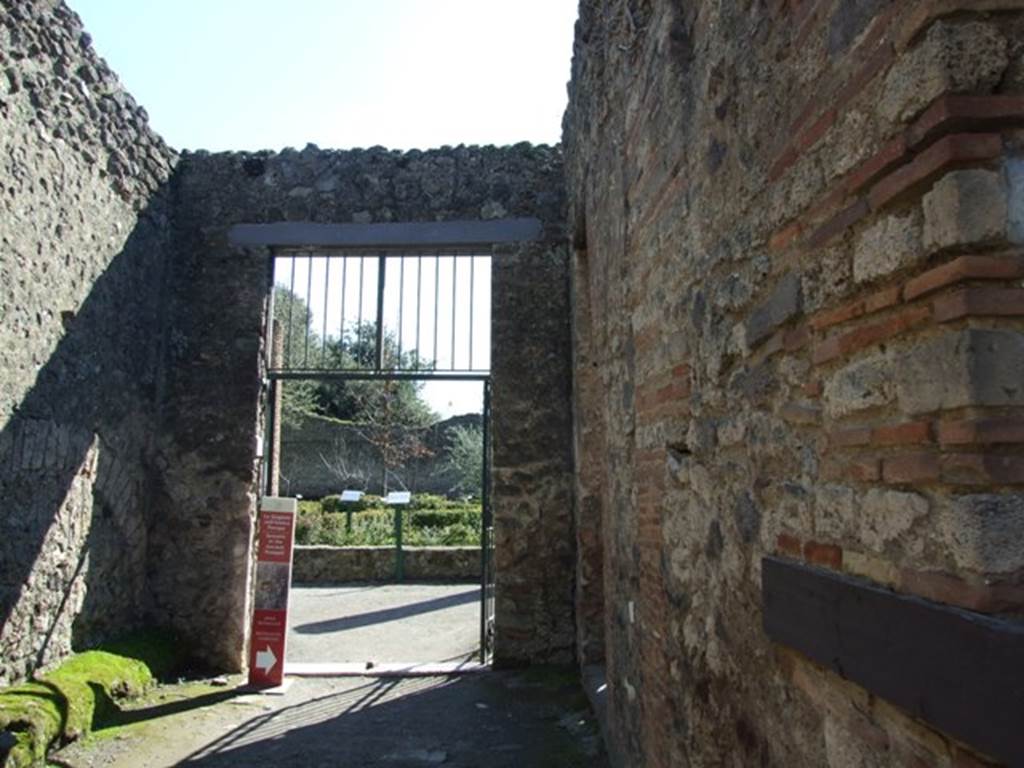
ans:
(388, 614)
(494, 720)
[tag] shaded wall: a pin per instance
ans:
(206, 500)
(84, 233)
(798, 334)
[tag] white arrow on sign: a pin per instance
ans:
(266, 660)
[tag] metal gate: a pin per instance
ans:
(487, 579)
(408, 315)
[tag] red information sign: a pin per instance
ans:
(276, 536)
(273, 580)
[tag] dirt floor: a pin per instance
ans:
(536, 718)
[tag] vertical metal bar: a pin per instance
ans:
(485, 525)
(437, 301)
(359, 324)
(472, 300)
(309, 308)
(419, 305)
(287, 362)
(327, 282)
(344, 288)
(401, 301)
(399, 554)
(455, 273)
(268, 440)
(381, 271)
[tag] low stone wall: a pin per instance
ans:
(315, 565)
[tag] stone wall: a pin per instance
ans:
(83, 247)
(321, 456)
(206, 498)
(326, 565)
(797, 268)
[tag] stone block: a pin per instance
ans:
(972, 367)
(1014, 168)
(888, 517)
(860, 385)
(889, 245)
(940, 64)
(984, 532)
(784, 303)
(965, 208)
(877, 569)
(835, 511)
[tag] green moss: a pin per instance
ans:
(71, 700)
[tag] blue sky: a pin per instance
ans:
(265, 74)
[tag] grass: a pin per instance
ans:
(68, 702)
(428, 521)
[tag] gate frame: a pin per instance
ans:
(484, 235)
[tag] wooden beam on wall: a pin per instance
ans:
(962, 672)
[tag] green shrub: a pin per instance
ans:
(430, 521)
(335, 504)
(428, 501)
(467, 517)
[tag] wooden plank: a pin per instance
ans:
(959, 671)
(385, 236)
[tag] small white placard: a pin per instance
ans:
(398, 497)
(351, 495)
(279, 504)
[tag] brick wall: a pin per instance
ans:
(801, 296)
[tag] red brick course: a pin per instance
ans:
(908, 433)
(868, 335)
(981, 431)
(1007, 267)
(828, 555)
(979, 302)
(787, 544)
(911, 468)
(959, 128)
(966, 113)
(948, 152)
(982, 469)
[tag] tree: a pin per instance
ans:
(390, 414)
(396, 431)
(358, 400)
(466, 457)
(293, 321)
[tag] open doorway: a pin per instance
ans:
(380, 422)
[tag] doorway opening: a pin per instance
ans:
(379, 418)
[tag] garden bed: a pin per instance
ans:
(428, 521)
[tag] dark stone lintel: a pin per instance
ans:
(425, 234)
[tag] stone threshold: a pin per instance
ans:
(384, 669)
